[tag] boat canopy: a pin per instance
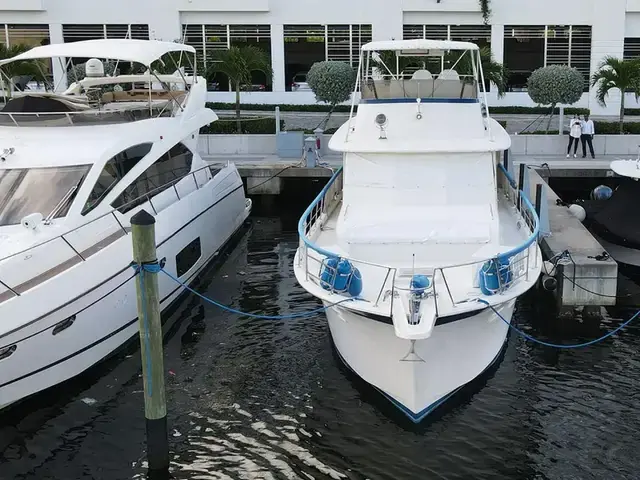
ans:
(418, 45)
(140, 51)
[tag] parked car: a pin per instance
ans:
(300, 82)
(253, 88)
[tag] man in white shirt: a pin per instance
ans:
(588, 131)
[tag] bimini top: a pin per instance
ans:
(418, 44)
(140, 51)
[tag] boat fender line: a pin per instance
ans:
(157, 267)
(559, 345)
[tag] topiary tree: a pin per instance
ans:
(555, 84)
(332, 83)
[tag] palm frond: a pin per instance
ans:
(616, 73)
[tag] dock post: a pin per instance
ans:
(277, 120)
(539, 200)
(155, 406)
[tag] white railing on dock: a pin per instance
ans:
(504, 270)
(23, 270)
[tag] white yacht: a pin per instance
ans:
(74, 168)
(422, 236)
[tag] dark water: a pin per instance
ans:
(253, 399)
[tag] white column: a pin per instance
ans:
(59, 74)
(607, 39)
(277, 57)
(387, 23)
(165, 23)
(497, 43)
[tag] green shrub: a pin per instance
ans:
(613, 128)
(602, 128)
(632, 111)
(535, 110)
(249, 126)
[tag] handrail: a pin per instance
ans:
(506, 173)
(110, 212)
(303, 226)
(301, 223)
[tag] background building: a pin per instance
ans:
(523, 34)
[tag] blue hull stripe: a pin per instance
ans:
(418, 417)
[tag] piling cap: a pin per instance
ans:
(143, 218)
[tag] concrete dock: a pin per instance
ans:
(583, 280)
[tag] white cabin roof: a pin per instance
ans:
(140, 51)
(66, 146)
(418, 44)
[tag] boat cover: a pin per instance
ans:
(617, 220)
(35, 104)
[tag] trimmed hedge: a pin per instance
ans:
(602, 128)
(249, 126)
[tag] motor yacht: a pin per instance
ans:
(421, 244)
(75, 165)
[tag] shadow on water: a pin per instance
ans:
(269, 399)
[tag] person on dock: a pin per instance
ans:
(588, 131)
(575, 132)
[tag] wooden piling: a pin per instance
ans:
(155, 407)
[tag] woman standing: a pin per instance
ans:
(575, 131)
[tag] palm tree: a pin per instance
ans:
(238, 63)
(33, 68)
(617, 73)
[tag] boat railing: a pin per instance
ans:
(23, 270)
(84, 117)
(493, 276)
(443, 86)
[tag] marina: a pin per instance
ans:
(300, 314)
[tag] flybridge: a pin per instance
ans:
(100, 98)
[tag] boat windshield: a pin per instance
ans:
(38, 190)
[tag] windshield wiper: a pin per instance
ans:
(67, 197)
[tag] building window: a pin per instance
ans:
(305, 45)
(76, 33)
(527, 48)
(162, 174)
(114, 170)
(29, 36)
(207, 39)
(631, 48)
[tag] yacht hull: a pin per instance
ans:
(419, 376)
(105, 314)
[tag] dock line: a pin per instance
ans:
(157, 267)
(559, 345)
